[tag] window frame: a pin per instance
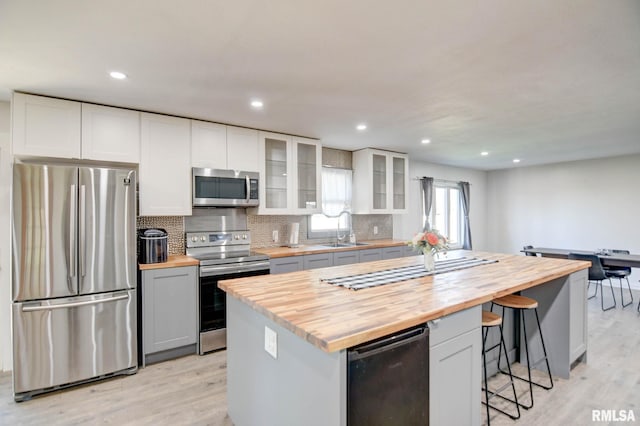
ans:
(345, 221)
(447, 212)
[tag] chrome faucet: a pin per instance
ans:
(340, 239)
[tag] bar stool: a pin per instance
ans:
(489, 319)
(523, 304)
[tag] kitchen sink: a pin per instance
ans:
(335, 245)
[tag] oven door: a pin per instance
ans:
(216, 187)
(213, 308)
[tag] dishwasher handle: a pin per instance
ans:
(388, 343)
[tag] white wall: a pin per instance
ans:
(406, 225)
(576, 205)
(5, 246)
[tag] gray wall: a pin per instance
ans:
(586, 205)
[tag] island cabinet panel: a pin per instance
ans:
(578, 315)
(283, 265)
(169, 306)
(369, 255)
(345, 257)
(455, 368)
(562, 312)
(301, 385)
(320, 260)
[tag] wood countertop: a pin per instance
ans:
(276, 252)
(173, 261)
(335, 318)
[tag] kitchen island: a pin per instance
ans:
(316, 323)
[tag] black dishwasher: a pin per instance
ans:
(388, 380)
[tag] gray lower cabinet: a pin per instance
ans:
(392, 252)
(409, 251)
(320, 260)
(169, 312)
(345, 257)
(283, 265)
(455, 361)
(369, 255)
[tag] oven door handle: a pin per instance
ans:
(207, 271)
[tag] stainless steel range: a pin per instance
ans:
(219, 239)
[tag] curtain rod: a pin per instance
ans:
(440, 180)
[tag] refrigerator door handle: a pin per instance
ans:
(73, 207)
(83, 228)
(73, 304)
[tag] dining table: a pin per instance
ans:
(606, 257)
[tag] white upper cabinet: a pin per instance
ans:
(381, 179)
(110, 134)
(208, 145)
(242, 149)
(289, 174)
(45, 127)
(218, 146)
(165, 166)
(49, 127)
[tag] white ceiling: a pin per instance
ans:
(544, 81)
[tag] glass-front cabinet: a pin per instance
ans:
(382, 179)
(290, 174)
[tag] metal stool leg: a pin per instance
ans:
(500, 345)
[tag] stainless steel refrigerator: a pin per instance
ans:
(74, 276)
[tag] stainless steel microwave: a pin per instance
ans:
(224, 188)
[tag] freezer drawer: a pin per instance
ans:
(62, 341)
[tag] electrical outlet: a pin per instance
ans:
(274, 235)
(375, 230)
(271, 342)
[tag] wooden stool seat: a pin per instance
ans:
(516, 302)
(489, 319)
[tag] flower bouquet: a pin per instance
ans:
(429, 243)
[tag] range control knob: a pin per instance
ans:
(236, 237)
(203, 239)
(194, 238)
(244, 236)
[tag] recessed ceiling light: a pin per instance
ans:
(425, 141)
(516, 160)
(118, 75)
(361, 127)
(484, 153)
(257, 103)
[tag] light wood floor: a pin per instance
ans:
(192, 390)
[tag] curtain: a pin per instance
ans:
(464, 196)
(426, 184)
(336, 191)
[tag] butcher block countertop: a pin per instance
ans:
(335, 318)
(275, 252)
(173, 261)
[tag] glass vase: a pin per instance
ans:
(429, 262)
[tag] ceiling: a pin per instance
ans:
(543, 81)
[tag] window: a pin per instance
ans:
(446, 213)
(336, 198)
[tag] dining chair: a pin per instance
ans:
(597, 275)
(620, 272)
(526, 253)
